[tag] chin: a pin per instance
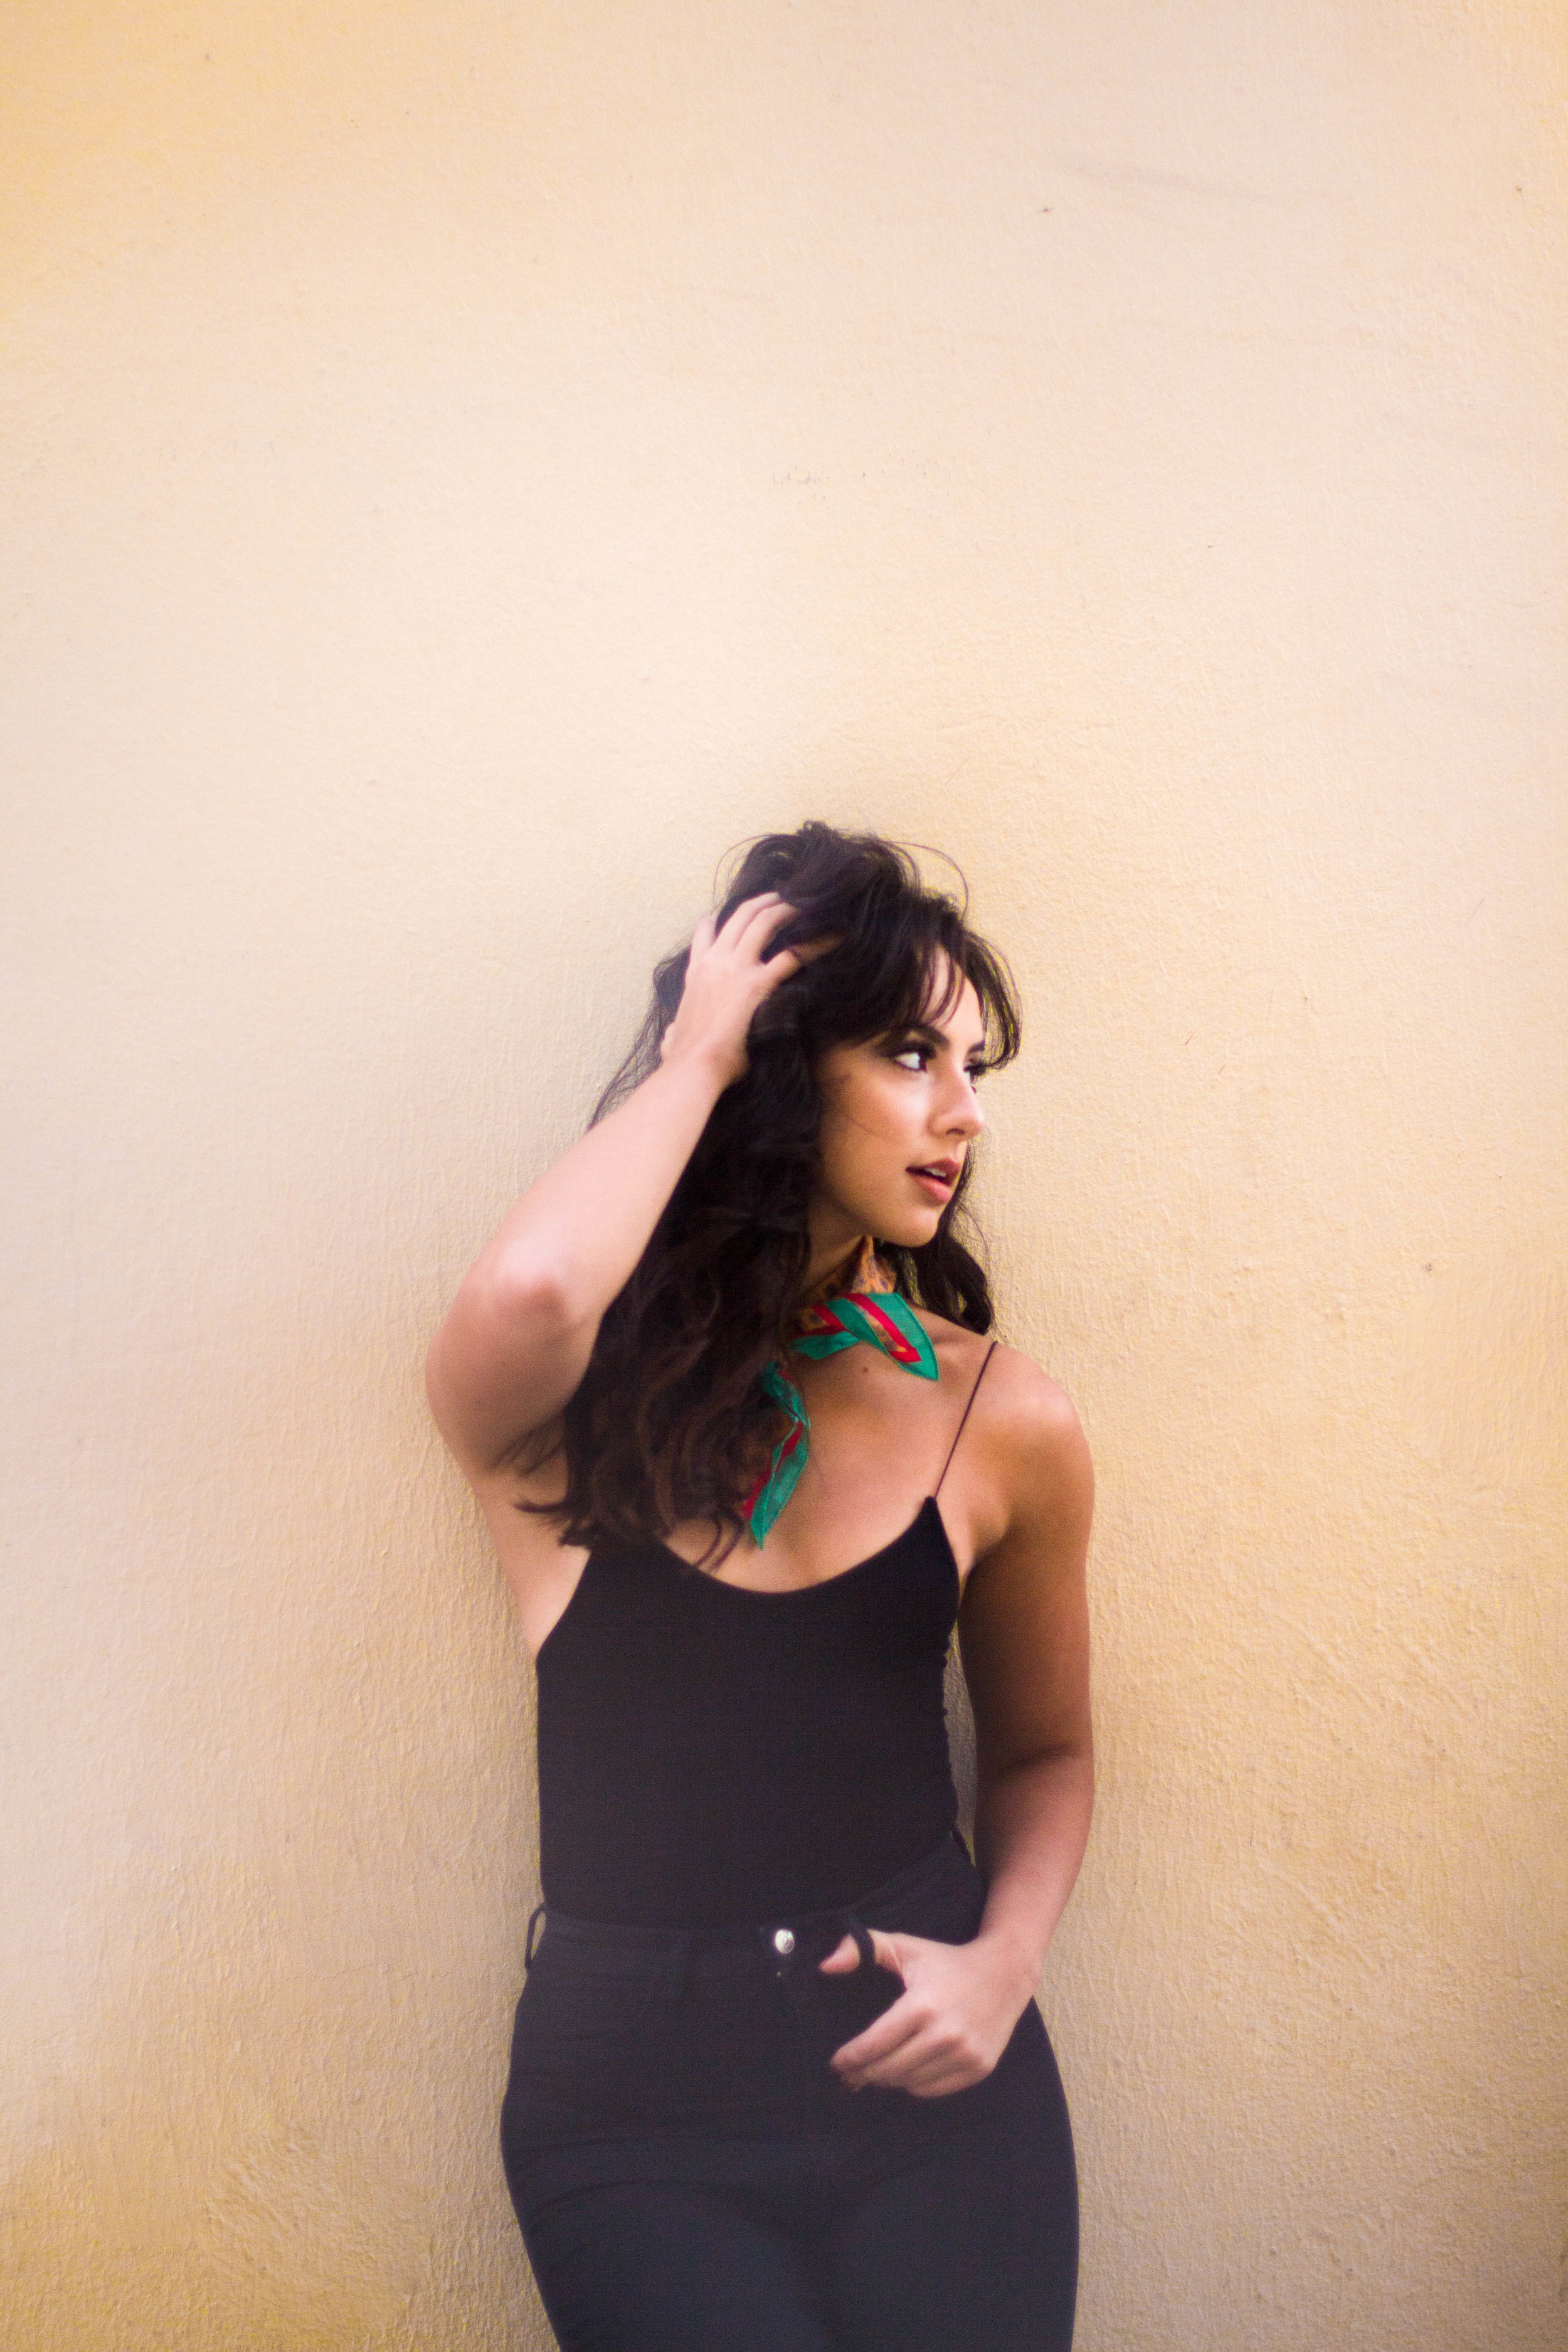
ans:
(909, 1230)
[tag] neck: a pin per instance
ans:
(841, 1270)
(835, 1246)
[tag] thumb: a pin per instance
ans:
(846, 1955)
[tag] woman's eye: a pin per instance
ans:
(915, 1058)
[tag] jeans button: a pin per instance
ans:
(784, 1942)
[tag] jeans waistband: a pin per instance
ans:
(928, 1875)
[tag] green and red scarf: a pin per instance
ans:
(869, 1308)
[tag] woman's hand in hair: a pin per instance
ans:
(726, 979)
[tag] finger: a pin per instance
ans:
(927, 2064)
(702, 942)
(889, 2033)
(749, 911)
(945, 2086)
(886, 2068)
(884, 1951)
(763, 927)
(780, 965)
(895, 2076)
(943, 2074)
(930, 2083)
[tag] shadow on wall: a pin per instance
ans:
(282, 2200)
(295, 2192)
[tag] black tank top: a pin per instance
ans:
(709, 1755)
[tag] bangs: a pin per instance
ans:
(911, 972)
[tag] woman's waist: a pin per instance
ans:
(704, 1857)
(938, 1887)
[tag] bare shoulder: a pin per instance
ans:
(1024, 1465)
(1032, 1417)
(1039, 1452)
(1022, 1410)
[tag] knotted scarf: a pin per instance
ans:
(869, 1308)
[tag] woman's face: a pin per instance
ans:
(898, 1114)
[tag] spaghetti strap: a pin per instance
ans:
(973, 1392)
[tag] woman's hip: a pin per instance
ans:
(624, 2033)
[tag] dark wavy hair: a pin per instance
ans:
(670, 1421)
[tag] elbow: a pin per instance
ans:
(1063, 1761)
(527, 1289)
(498, 1302)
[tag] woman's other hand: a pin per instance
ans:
(950, 2024)
(726, 979)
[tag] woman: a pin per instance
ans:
(777, 2080)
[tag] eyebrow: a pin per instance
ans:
(933, 1036)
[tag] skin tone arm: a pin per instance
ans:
(1024, 1635)
(518, 1338)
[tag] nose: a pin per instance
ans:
(960, 1113)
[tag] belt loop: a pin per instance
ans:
(529, 1947)
(677, 1973)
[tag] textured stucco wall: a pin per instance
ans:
(476, 464)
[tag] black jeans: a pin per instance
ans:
(690, 2176)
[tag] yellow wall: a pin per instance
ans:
(478, 463)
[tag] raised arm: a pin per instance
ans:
(521, 1328)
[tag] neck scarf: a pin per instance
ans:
(869, 1308)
